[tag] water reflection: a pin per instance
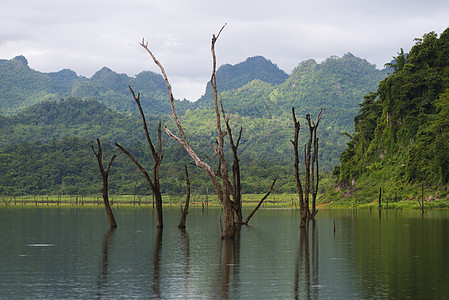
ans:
(48, 254)
(102, 281)
(156, 284)
(186, 247)
(306, 282)
(229, 264)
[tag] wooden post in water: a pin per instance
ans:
(380, 197)
(422, 199)
(334, 226)
(207, 197)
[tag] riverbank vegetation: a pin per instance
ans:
(395, 138)
(401, 138)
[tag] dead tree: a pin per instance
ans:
(157, 159)
(105, 188)
(312, 170)
(304, 210)
(185, 211)
(311, 167)
(236, 187)
(221, 185)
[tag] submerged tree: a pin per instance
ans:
(105, 175)
(220, 183)
(223, 187)
(185, 210)
(236, 187)
(311, 167)
(157, 159)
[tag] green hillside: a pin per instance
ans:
(101, 107)
(401, 138)
(21, 86)
(231, 77)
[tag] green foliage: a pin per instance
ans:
(231, 77)
(256, 92)
(20, 87)
(405, 123)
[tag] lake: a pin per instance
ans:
(70, 253)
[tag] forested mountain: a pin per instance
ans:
(258, 94)
(21, 86)
(231, 77)
(401, 134)
(337, 85)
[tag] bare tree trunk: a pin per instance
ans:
(260, 203)
(302, 207)
(315, 185)
(157, 159)
(185, 211)
(380, 197)
(314, 169)
(236, 187)
(222, 190)
(311, 167)
(421, 204)
(105, 188)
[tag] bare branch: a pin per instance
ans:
(110, 163)
(260, 202)
(142, 169)
(145, 127)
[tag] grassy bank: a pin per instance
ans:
(249, 200)
(407, 199)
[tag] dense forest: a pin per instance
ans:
(401, 137)
(49, 121)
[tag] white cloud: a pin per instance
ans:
(86, 35)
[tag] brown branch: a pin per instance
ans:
(221, 191)
(185, 211)
(141, 168)
(295, 143)
(104, 175)
(260, 203)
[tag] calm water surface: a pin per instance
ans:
(53, 253)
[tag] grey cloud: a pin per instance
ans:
(86, 35)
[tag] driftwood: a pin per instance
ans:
(105, 175)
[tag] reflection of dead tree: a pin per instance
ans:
(157, 159)
(229, 263)
(185, 243)
(311, 168)
(103, 276)
(105, 175)
(307, 263)
(156, 264)
(185, 211)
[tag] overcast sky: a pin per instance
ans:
(86, 35)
